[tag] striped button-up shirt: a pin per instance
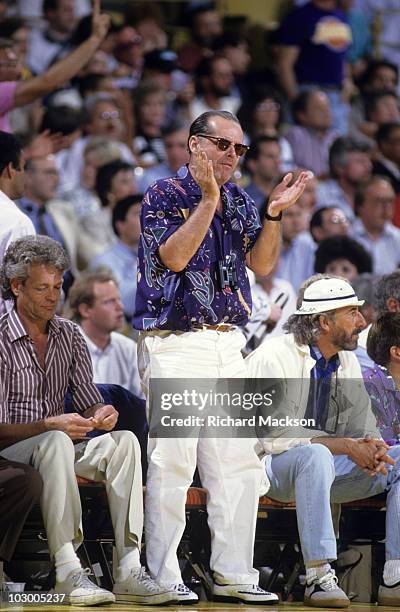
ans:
(32, 393)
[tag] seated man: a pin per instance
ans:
(342, 458)
(41, 355)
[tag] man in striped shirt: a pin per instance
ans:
(41, 355)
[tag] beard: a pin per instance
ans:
(346, 341)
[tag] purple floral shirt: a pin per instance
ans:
(385, 402)
(175, 301)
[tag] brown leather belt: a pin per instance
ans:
(221, 327)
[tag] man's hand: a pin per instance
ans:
(105, 418)
(100, 22)
(370, 455)
(283, 196)
(203, 173)
(74, 425)
(275, 315)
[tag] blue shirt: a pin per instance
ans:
(175, 301)
(320, 386)
(123, 262)
(323, 38)
(296, 262)
(41, 219)
(256, 195)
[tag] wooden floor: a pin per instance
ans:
(202, 606)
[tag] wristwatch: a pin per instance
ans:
(270, 218)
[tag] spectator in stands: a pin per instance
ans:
(349, 167)
(114, 181)
(312, 135)
(95, 304)
(388, 162)
(121, 257)
(128, 51)
(16, 93)
(205, 27)
(34, 430)
(262, 115)
(104, 119)
(296, 261)
(235, 49)
(175, 137)
(263, 163)
(214, 83)
(50, 218)
(150, 112)
(328, 221)
(382, 107)
(16, 30)
(374, 206)
(159, 65)
(13, 223)
(312, 43)
(342, 256)
(181, 290)
(380, 75)
(386, 299)
(364, 286)
(335, 460)
(383, 379)
(50, 44)
(147, 19)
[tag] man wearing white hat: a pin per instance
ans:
(340, 455)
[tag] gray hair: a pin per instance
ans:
(306, 328)
(94, 99)
(364, 286)
(388, 286)
(24, 252)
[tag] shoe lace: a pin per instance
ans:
(81, 579)
(146, 579)
(258, 589)
(329, 581)
(182, 588)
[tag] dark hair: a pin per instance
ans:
(82, 291)
(89, 83)
(122, 207)
(251, 102)
(361, 190)
(255, 146)
(10, 151)
(228, 39)
(172, 127)
(105, 175)
(373, 66)
(384, 334)
(62, 119)
(385, 130)
(342, 247)
(9, 26)
(201, 124)
(316, 219)
(373, 99)
(49, 5)
(339, 150)
(300, 103)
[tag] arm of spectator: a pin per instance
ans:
(74, 425)
(370, 455)
(286, 60)
(45, 144)
(102, 416)
(65, 69)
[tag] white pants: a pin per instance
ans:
(229, 467)
(113, 458)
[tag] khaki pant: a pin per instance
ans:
(113, 458)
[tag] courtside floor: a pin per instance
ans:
(201, 607)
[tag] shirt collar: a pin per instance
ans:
(189, 184)
(332, 363)
(16, 329)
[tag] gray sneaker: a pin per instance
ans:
(139, 588)
(184, 595)
(325, 593)
(80, 591)
(389, 595)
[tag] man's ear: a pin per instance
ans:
(393, 305)
(394, 353)
(9, 171)
(15, 286)
(84, 310)
(324, 322)
(193, 144)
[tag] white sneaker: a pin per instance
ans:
(80, 591)
(243, 593)
(184, 595)
(140, 588)
(325, 593)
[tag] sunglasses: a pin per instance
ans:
(223, 144)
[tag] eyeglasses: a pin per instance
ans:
(110, 114)
(223, 144)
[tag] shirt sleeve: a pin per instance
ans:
(252, 224)
(7, 96)
(291, 32)
(84, 391)
(4, 416)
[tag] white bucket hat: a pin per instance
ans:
(328, 294)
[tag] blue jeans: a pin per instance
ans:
(314, 478)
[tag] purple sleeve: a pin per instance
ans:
(7, 96)
(291, 31)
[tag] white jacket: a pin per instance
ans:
(281, 358)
